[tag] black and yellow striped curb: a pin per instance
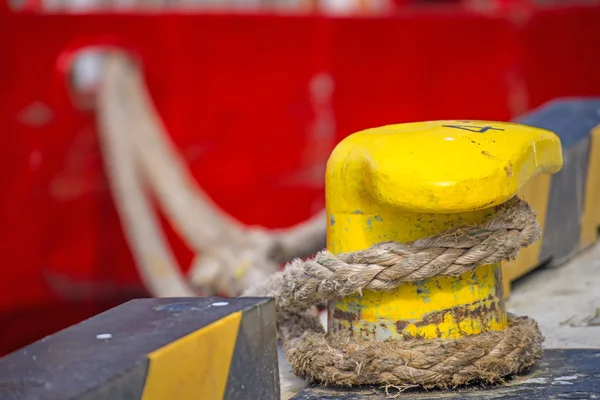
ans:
(568, 202)
(151, 349)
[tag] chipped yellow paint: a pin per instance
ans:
(195, 366)
(409, 181)
(412, 303)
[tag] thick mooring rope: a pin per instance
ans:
(328, 359)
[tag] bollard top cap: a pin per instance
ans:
(446, 166)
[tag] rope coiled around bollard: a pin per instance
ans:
(437, 363)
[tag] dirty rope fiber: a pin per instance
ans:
(324, 358)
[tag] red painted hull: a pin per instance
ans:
(235, 94)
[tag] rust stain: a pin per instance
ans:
(509, 170)
(484, 206)
(483, 310)
(486, 154)
(368, 332)
(401, 325)
(345, 315)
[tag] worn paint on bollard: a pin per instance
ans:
(409, 181)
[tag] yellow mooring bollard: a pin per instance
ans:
(409, 181)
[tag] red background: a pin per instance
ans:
(234, 94)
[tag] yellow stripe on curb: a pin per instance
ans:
(195, 366)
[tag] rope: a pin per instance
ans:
(328, 359)
(229, 256)
(156, 263)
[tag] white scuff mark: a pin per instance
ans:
(566, 378)
(104, 336)
(220, 304)
(562, 383)
(536, 380)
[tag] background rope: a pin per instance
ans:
(230, 256)
(155, 261)
(326, 358)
